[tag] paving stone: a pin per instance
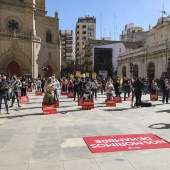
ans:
(83, 164)
(76, 153)
(23, 137)
(72, 142)
(14, 157)
(57, 165)
(15, 167)
(116, 162)
(46, 155)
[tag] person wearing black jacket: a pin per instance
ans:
(3, 93)
(76, 89)
(138, 87)
(165, 90)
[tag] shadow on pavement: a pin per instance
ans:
(66, 111)
(24, 115)
(160, 126)
(168, 111)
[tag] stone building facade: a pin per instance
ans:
(150, 61)
(29, 40)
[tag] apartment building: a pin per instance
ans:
(133, 33)
(67, 45)
(85, 30)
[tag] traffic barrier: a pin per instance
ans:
(23, 99)
(110, 103)
(87, 104)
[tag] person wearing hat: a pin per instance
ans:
(165, 90)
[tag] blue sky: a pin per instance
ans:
(111, 15)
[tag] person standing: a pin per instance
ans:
(94, 88)
(109, 89)
(76, 89)
(39, 84)
(117, 88)
(4, 87)
(43, 81)
(15, 87)
(49, 97)
(165, 90)
(23, 86)
(103, 85)
(138, 86)
(127, 88)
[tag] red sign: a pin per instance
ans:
(23, 99)
(49, 109)
(57, 103)
(70, 95)
(154, 97)
(80, 101)
(38, 93)
(29, 89)
(128, 99)
(99, 144)
(87, 104)
(64, 92)
(117, 99)
(110, 103)
(99, 86)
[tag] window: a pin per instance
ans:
(13, 25)
(84, 32)
(48, 36)
(84, 26)
(133, 31)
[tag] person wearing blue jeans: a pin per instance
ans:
(3, 93)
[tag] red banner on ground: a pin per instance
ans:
(23, 99)
(99, 144)
(87, 104)
(70, 95)
(57, 103)
(117, 99)
(49, 109)
(29, 89)
(38, 93)
(79, 101)
(110, 103)
(128, 99)
(64, 92)
(154, 97)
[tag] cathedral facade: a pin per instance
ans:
(29, 40)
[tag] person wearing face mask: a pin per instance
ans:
(165, 90)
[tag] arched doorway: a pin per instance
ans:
(151, 70)
(49, 71)
(135, 70)
(13, 68)
(124, 71)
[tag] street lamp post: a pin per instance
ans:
(131, 69)
(168, 68)
(112, 69)
(45, 68)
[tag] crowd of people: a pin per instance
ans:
(84, 87)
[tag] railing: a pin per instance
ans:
(21, 36)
